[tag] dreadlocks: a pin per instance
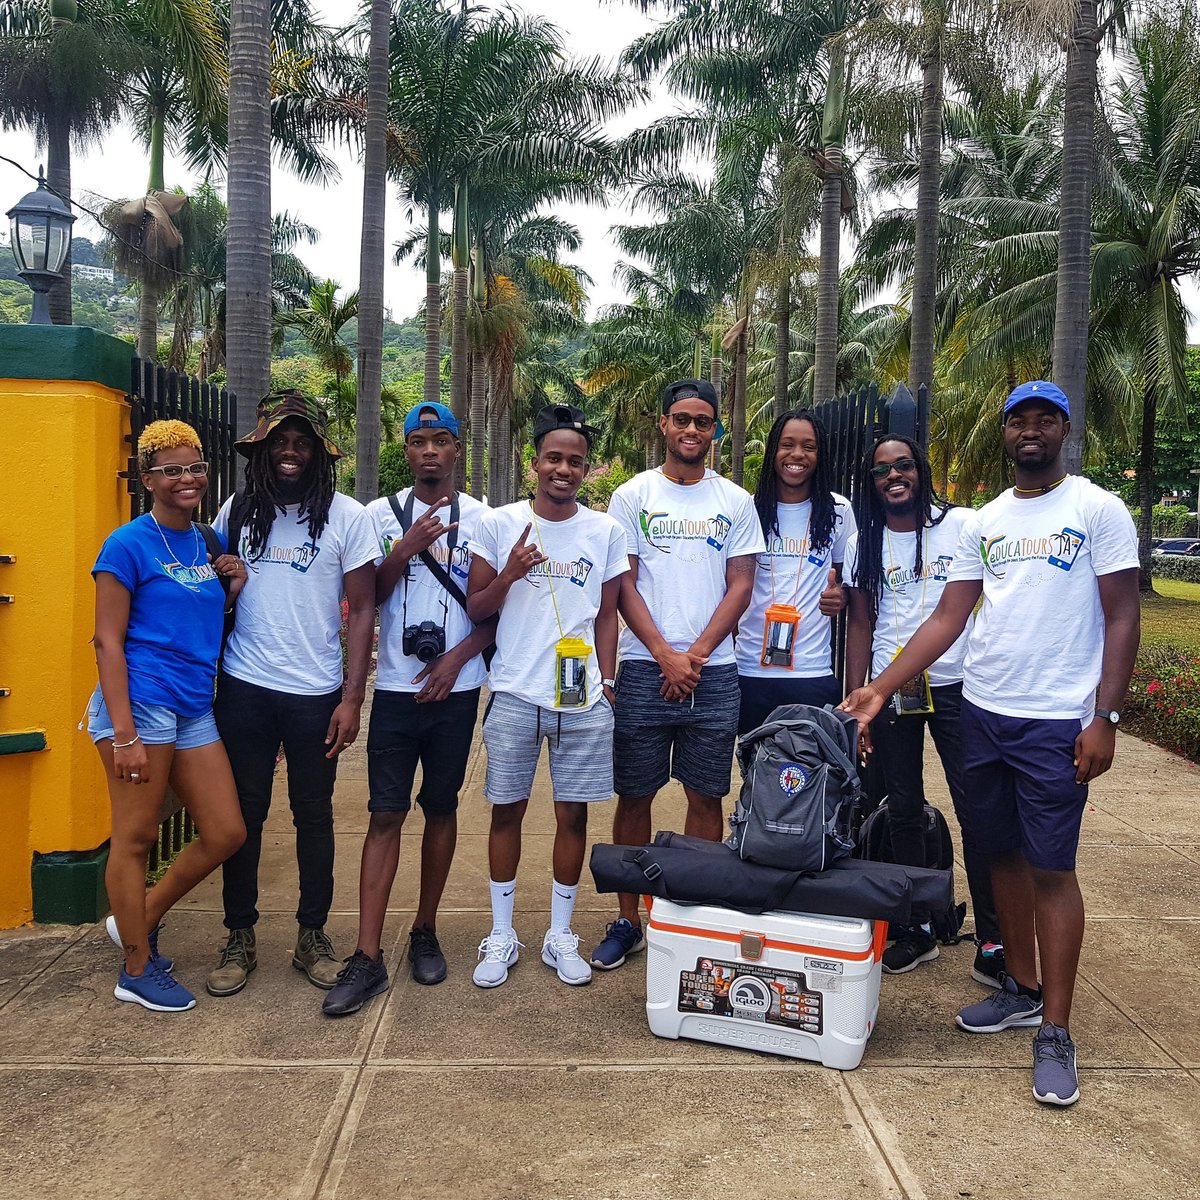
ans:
(869, 573)
(766, 495)
(262, 500)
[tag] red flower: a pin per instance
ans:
(1151, 688)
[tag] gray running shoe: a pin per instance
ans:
(1007, 1008)
(1055, 1079)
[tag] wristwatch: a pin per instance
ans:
(1113, 718)
(612, 683)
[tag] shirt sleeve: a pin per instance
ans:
(622, 510)
(746, 537)
(968, 561)
(361, 543)
(376, 516)
(486, 539)
(850, 562)
(846, 530)
(118, 560)
(618, 553)
(1114, 536)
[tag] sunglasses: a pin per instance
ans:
(683, 420)
(175, 471)
(883, 470)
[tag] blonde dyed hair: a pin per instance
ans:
(164, 435)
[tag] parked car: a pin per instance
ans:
(1177, 546)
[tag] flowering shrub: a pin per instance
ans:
(1164, 699)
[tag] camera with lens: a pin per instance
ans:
(425, 641)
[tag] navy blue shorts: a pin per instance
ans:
(1019, 789)
(692, 739)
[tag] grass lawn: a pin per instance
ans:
(1173, 615)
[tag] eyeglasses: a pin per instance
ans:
(883, 470)
(683, 420)
(175, 471)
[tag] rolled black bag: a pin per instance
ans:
(715, 875)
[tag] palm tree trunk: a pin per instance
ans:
(248, 256)
(147, 338)
(737, 417)
(479, 380)
(459, 393)
(493, 443)
(833, 134)
(58, 179)
(371, 261)
(783, 337)
(433, 307)
(504, 484)
(921, 339)
(716, 378)
(1146, 490)
(1073, 298)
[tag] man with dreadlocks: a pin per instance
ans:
(898, 567)
(305, 546)
(784, 649)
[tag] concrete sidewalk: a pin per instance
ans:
(539, 1092)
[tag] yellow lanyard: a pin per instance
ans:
(537, 532)
(924, 581)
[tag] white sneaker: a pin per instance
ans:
(497, 952)
(561, 951)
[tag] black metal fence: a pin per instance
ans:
(156, 394)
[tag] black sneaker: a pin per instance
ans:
(908, 952)
(425, 955)
(359, 980)
(989, 965)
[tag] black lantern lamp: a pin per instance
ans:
(40, 235)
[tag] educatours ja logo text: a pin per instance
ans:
(660, 527)
(1056, 550)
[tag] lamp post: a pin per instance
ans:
(40, 235)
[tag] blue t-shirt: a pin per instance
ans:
(176, 603)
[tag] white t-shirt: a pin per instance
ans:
(422, 597)
(1038, 643)
(908, 598)
(289, 613)
(584, 553)
(800, 575)
(683, 535)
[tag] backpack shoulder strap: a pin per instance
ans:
(212, 544)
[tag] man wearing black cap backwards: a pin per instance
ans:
(692, 539)
(1047, 666)
(552, 570)
(305, 545)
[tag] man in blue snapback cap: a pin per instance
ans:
(1047, 666)
(426, 697)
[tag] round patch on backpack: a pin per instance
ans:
(792, 777)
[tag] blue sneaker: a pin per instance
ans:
(154, 989)
(164, 963)
(621, 939)
(1007, 1008)
(1055, 1079)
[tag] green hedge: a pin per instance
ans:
(1168, 521)
(1163, 705)
(1175, 566)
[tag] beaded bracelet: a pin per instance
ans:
(137, 737)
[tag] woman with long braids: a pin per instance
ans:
(784, 650)
(898, 566)
(159, 605)
(306, 546)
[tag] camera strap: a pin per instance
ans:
(405, 516)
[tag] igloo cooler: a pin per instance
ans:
(780, 982)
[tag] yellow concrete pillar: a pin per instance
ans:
(63, 418)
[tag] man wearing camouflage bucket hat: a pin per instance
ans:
(281, 681)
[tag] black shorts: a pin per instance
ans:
(692, 739)
(403, 733)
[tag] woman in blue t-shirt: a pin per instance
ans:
(159, 615)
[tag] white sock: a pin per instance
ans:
(562, 905)
(503, 899)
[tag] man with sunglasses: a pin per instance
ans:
(898, 566)
(692, 539)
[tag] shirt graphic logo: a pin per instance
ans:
(576, 571)
(897, 579)
(299, 558)
(190, 577)
(647, 520)
(721, 527)
(1057, 550)
(583, 567)
(660, 527)
(792, 777)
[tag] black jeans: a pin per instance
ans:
(899, 749)
(253, 721)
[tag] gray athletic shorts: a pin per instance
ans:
(581, 758)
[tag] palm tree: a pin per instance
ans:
(322, 324)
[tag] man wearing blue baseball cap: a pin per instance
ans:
(1047, 667)
(426, 697)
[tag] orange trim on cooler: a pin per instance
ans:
(880, 940)
(775, 943)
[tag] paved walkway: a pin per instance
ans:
(539, 1092)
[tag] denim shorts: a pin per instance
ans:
(156, 725)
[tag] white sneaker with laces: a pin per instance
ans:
(561, 951)
(497, 952)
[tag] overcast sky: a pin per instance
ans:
(590, 27)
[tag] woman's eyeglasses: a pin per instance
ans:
(175, 471)
(883, 470)
(683, 420)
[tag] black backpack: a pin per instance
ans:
(874, 843)
(800, 789)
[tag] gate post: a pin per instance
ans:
(65, 416)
